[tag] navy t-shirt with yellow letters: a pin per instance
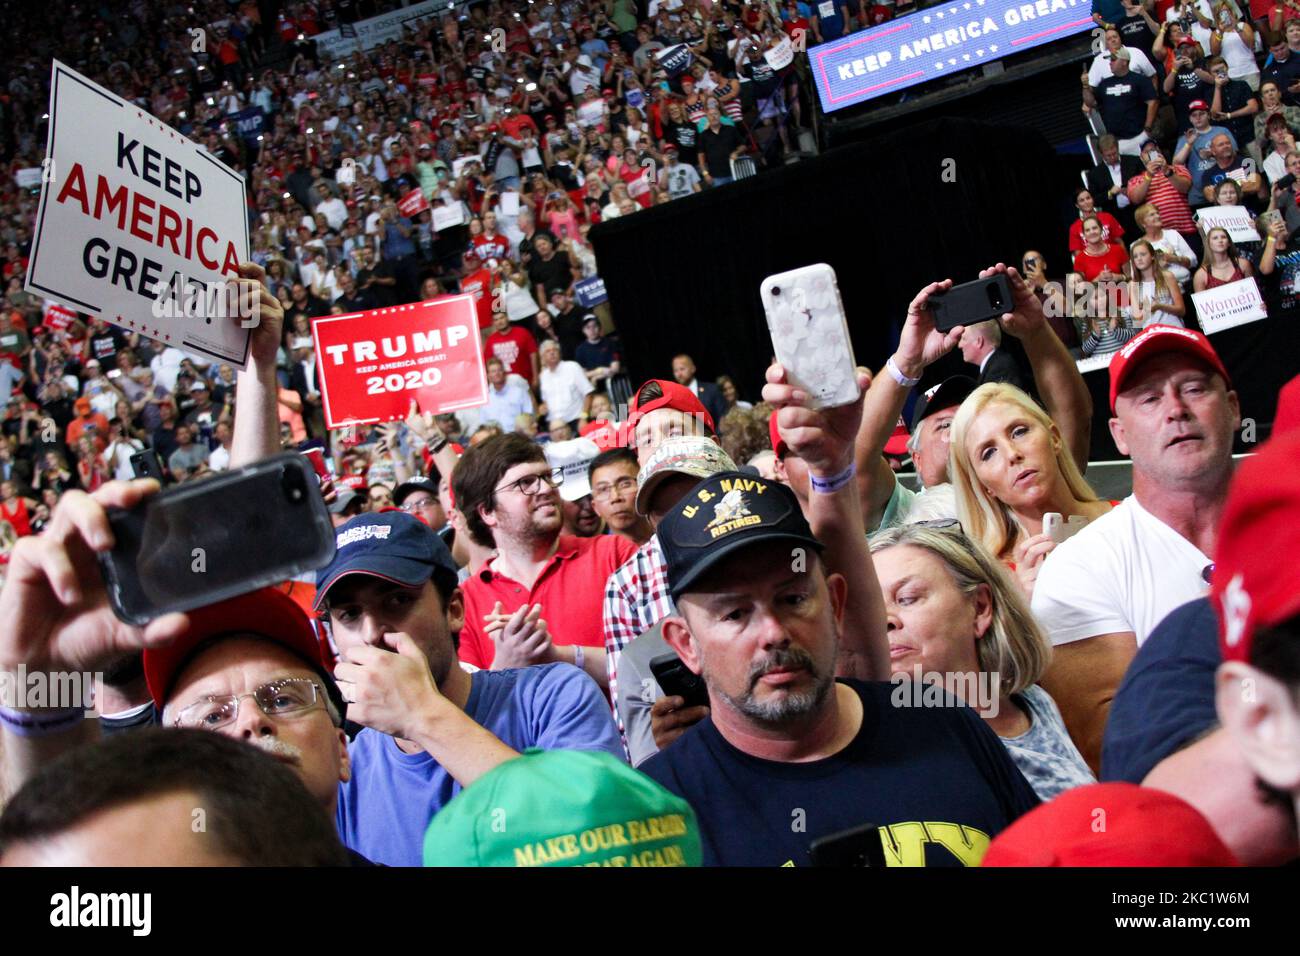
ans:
(935, 780)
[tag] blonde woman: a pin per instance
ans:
(1153, 293)
(955, 618)
(1010, 467)
(1171, 248)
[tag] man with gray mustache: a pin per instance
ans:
(789, 754)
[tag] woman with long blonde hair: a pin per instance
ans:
(1153, 293)
(1009, 467)
(956, 619)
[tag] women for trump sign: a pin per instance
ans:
(1229, 305)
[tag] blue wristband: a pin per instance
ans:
(41, 723)
(828, 486)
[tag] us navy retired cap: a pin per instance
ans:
(391, 545)
(722, 514)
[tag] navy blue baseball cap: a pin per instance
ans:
(392, 545)
(951, 391)
(412, 485)
(722, 514)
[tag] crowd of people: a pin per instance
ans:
(649, 623)
(1194, 109)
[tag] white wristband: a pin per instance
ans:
(898, 375)
(578, 656)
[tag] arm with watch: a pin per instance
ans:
(825, 439)
(919, 345)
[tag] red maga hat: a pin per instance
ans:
(1154, 340)
(1251, 588)
(1111, 824)
(267, 613)
(674, 396)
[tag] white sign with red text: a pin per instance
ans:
(1236, 219)
(130, 209)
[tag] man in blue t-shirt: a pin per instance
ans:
(789, 755)
(832, 19)
(431, 728)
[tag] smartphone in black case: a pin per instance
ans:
(971, 302)
(677, 680)
(205, 541)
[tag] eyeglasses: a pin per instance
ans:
(279, 698)
(532, 484)
(409, 505)
(619, 488)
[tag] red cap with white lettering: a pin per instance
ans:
(1154, 340)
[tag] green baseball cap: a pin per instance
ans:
(564, 808)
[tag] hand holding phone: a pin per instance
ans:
(971, 302)
(675, 679)
(810, 334)
(194, 545)
(55, 606)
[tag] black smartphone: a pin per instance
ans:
(205, 541)
(145, 464)
(971, 302)
(677, 680)
(855, 847)
(1286, 182)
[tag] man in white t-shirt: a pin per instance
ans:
(335, 211)
(563, 385)
(1101, 593)
(166, 365)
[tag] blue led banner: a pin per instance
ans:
(937, 42)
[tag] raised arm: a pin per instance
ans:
(825, 440)
(1062, 388)
(57, 619)
(257, 419)
(918, 346)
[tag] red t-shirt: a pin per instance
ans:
(494, 246)
(1111, 230)
(570, 589)
(479, 285)
(1169, 201)
(18, 517)
(795, 24)
(514, 125)
(515, 348)
(1092, 266)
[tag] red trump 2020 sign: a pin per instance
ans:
(373, 363)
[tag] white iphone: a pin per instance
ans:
(810, 334)
(1060, 529)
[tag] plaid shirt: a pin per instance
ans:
(636, 599)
